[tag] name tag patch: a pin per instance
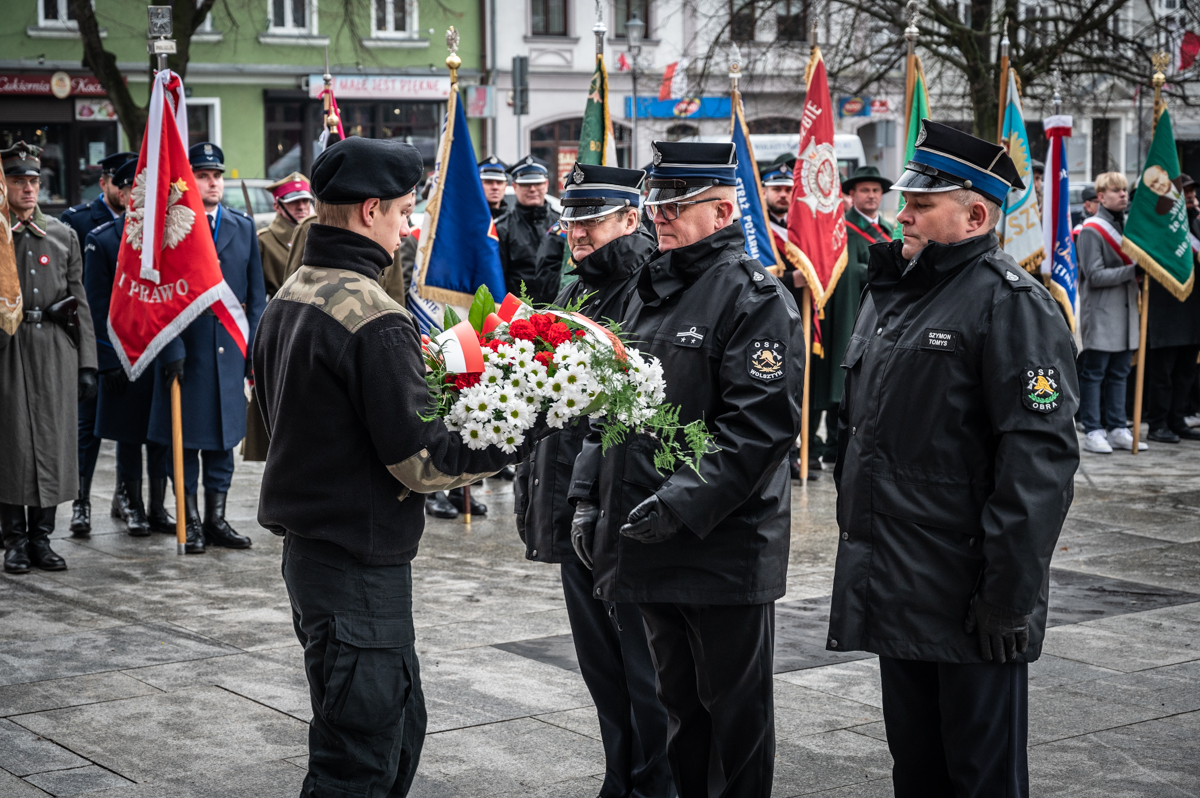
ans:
(690, 336)
(766, 360)
(939, 340)
(1041, 393)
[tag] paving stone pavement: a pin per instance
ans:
(139, 673)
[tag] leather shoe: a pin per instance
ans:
(1189, 434)
(16, 539)
(195, 534)
(1162, 436)
(81, 510)
(217, 531)
(160, 520)
(456, 498)
(136, 523)
(438, 506)
(120, 503)
(41, 526)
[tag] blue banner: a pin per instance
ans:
(1056, 221)
(760, 242)
(687, 108)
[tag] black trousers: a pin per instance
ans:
(89, 444)
(714, 677)
(355, 623)
(957, 730)
(1170, 374)
(614, 659)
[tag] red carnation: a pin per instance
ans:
(462, 381)
(522, 329)
(580, 333)
(541, 322)
(494, 344)
(545, 358)
(558, 333)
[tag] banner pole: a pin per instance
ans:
(177, 457)
(1003, 85)
(806, 313)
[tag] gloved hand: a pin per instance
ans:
(174, 369)
(521, 526)
(652, 522)
(88, 385)
(1002, 634)
(583, 530)
(114, 381)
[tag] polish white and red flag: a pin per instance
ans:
(675, 81)
(167, 267)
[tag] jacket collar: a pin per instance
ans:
(35, 225)
(933, 264)
(674, 270)
(336, 248)
(614, 261)
(533, 213)
(281, 230)
(1117, 220)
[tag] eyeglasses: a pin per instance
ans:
(670, 210)
(585, 224)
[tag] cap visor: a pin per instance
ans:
(657, 196)
(579, 213)
(917, 183)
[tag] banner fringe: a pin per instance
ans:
(1033, 263)
(446, 296)
(1180, 291)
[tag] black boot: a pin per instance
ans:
(456, 498)
(508, 473)
(195, 537)
(136, 523)
(81, 509)
(217, 531)
(159, 520)
(41, 526)
(120, 503)
(437, 505)
(16, 539)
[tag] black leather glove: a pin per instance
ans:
(652, 522)
(174, 369)
(114, 381)
(583, 530)
(88, 385)
(521, 526)
(1002, 634)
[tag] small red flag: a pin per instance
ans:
(1189, 48)
(816, 228)
(167, 267)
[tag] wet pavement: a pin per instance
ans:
(138, 672)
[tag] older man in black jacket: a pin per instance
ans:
(957, 450)
(704, 554)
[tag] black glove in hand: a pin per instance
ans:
(1002, 634)
(652, 522)
(583, 530)
(114, 381)
(174, 369)
(88, 385)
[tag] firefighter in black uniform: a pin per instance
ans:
(956, 454)
(704, 554)
(521, 231)
(600, 209)
(340, 379)
(493, 174)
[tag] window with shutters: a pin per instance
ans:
(548, 17)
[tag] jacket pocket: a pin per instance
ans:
(951, 507)
(854, 351)
(371, 677)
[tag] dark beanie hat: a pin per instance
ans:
(358, 169)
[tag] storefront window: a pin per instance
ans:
(557, 143)
(95, 143)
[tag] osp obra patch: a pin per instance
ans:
(1041, 393)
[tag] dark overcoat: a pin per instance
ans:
(86, 217)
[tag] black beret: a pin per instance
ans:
(358, 169)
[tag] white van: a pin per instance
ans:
(768, 146)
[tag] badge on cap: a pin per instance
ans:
(208, 149)
(766, 360)
(577, 174)
(1041, 393)
(529, 160)
(493, 159)
(657, 155)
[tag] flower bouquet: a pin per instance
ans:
(492, 375)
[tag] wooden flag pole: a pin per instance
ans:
(806, 314)
(1160, 61)
(1003, 85)
(467, 505)
(177, 457)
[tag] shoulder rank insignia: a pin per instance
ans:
(1041, 393)
(766, 360)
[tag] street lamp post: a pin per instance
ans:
(634, 29)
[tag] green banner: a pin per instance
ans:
(1156, 232)
(917, 110)
(595, 134)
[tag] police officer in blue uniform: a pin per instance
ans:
(211, 366)
(83, 219)
(123, 407)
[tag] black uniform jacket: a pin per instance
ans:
(521, 231)
(957, 450)
(732, 349)
(1171, 322)
(548, 273)
(540, 489)
(340, 379)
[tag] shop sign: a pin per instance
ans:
(854, 106)
(94, 111)
(687, 108)
(566, 162)
(382, 87)
(880, 106)
(60, 85)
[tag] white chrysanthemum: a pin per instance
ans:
(480, 403)
(509, 443)
(557, 416)
(475, 436)
(523, 347)
(517, 382)
(492, 376)
(518, 416)
(570, 355)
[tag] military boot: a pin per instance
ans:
(16, 539)
(195, 537)
(217, 531)
(81, 510)
(120, 503)
(136, 523)
(160, 520)
(438, 506)
(41, 526)
(456, 498)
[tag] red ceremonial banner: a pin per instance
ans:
(167, 267)
(816, 228)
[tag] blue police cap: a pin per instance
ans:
(593, 191)
(206, 155)
(492, 168)
(529, 170)
(125, 173)
(946, 159)
(777, 175)
(683, 169)
(110, 164)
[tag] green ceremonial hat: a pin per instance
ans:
(865, 174)
(788, 158)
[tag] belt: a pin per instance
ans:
(34, 316)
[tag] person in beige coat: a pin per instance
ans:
(46, 368)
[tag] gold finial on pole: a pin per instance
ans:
(1160, 60)
(911, 33)
(735, 67)
(331, 117)
(452, 60)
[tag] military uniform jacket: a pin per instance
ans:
(39, 370)
(340, 378)
(214, 399)
(956, 451)
(274, 246)
(87, 216)
(540, 488)
(123, 415)
(521, 231)
(730, 341)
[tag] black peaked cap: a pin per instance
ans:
(979, 153)
(358, 169)
(693, 152)
(112, 163)
(587, 173)
(125, 174)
